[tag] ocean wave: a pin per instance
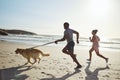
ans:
(41, 39)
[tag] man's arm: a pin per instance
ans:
(63, 39)
(77, 34)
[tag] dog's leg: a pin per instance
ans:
(39, 60)
(26, 63)
(35, 60)
(30, 61)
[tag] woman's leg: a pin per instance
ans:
(90, 53)
(98, 54)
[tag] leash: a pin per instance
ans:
(42, 45)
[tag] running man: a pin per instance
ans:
(69, 48)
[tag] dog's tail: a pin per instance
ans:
(45, 54)
(40, 52)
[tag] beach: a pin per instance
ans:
(57, 66)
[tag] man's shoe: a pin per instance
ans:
(79, 66)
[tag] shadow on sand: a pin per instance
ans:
(13, 73)
(93, 75)
(61, 78)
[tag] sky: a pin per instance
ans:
(48, 16)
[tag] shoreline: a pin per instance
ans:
(61, 45)
(60, 64)
(107, 44)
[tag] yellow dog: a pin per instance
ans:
(31, 53)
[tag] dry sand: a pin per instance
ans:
(57, 66)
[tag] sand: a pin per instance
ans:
(58, 66)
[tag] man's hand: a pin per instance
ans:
(90, 38)
(56, 41)
(77, 41)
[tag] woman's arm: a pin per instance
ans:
(92, 39)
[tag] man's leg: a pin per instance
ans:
(65, 50)
(75, 59)
(69, 49)
(73, 56)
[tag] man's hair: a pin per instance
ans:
(66, 24)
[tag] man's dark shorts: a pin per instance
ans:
(70, 46)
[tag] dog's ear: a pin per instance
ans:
(18, 49)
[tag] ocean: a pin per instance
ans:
(106, 44)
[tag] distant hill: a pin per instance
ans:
(13, 31)
(3, 32)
